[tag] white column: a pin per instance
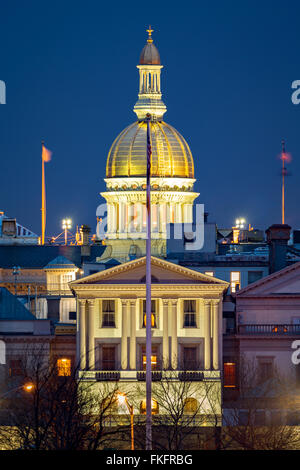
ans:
(207, 341)
(139, 216)
(189, 213)
(121, 217)
(174, 342)
(132, 359)
(215, 305)
(166, 360)
(124, 354)
(131, 218)
(82, 333)
(91, 333)
(112, 218)
(178, 213)
(162, 217)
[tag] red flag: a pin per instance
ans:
(46, 154)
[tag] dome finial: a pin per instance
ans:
(150, 31)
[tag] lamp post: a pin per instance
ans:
(66, 225)
(122, 399)
(16, 272)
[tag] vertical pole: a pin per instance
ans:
(43, 210)
(148, 297)
(282, 188)
(131, 425)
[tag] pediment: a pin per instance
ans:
(162, 271)
(283, 282)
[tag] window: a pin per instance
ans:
(65, 279)
(189, 308)
(154, 407)
(154, 358)
(15, 367)
(108, 314)
(108, 358)
(63, 367)
(190, 405)
(254, 276)
(209, 273)
(265, 368)
(235, 281)
(72, 315)
(229, 375)
(190, 358)
(153, 314)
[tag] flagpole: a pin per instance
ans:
(43, 210)
(282, 188)
(148, 297)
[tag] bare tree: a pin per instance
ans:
(254, 421)
(187, 409)
(60, 411)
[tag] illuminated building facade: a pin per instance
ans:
(186, 323)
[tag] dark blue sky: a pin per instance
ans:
(71, 77)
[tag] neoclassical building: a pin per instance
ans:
(186, 324)
(172, 172)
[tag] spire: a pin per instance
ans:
(150, 101)
(150, 31)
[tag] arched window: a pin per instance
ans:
(154, 406)
(190, 405)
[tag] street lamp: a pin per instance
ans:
(16, 272)
(240, 223)
(123, 400)
(66, 225)
(27, 387)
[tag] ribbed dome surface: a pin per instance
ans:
(171, 155)
(150, 55)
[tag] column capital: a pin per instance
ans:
(207, 301)
(174, 301)
(91, 302)
(124, 302)
(132, 302)
(165, 301)
(81, 301)
(215, 301)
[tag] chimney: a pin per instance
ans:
(85, 244)
(278, 236)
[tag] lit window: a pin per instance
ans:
(153, 313)
(235, 281)
(63, 367)
(153, 362)
(189, 313)
(154, 407)
(229, 374)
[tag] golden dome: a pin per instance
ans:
(171, 155)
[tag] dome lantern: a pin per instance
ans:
(149, 90)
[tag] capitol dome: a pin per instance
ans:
(171, 155)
